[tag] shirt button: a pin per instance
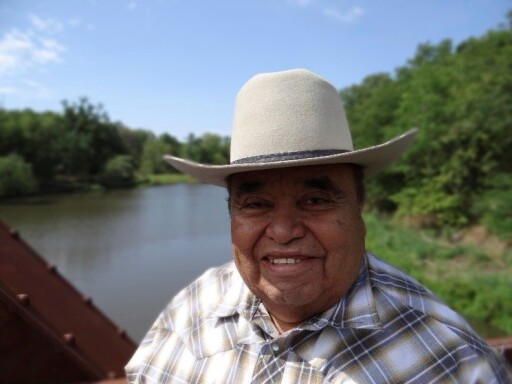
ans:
(275, 347)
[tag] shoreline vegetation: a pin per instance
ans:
(166, 179)
(442, 213)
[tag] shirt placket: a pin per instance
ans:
(270, 364)
(271, 359)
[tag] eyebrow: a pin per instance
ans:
(248, 187)
(323, 183)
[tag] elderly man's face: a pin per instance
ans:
(297, 237)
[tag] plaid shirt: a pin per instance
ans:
(387, 329)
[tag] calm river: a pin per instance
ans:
(129, 250)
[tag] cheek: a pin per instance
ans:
(244, 235)
(244, 238)
(352, 227)
(345, 234)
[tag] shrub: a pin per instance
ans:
(494, 208)
(16, 177)
(119, 171)
(152, 161)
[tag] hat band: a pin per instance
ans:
(299, 155)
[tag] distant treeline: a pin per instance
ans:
(458, 171)
(55, 152)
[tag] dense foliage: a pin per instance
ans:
(16, 178)
(460, 99)
(48, 152)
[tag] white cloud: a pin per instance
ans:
(46, 25)
(51, 44)
(44, 55)
(14, 47)
(346, 17)
(15, 41)
(30, 52)
(20, 51)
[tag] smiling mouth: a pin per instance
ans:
(285, 261)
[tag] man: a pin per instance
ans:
(302, 301)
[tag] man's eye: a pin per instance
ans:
(254, 205)
(316, 201)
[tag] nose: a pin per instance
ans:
(286, 225)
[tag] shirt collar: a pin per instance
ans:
(357, 309)
(238, 299)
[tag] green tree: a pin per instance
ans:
(16, 177)
(174, 145)
(134, 140)
(92, 139)
(461, 103)
(119, 171)
(460, 99)
(209, 149)
(152, 161)
(214, 149)
(191, 149)
(371, 108)
(37, 137)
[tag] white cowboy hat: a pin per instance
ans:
(290, 119)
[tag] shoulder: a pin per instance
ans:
(405, 290)
(406, 307)
(201, 297)
(179, 332)
(185, 331)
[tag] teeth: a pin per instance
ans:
(285, 261)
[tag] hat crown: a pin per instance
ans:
(287, 112)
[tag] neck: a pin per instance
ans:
(286, 318)
(283, 325)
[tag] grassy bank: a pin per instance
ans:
(475, 281)
(166, 178)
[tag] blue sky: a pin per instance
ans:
(175, 66)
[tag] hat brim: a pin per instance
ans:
(372, 159)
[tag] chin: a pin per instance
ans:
(290, 299)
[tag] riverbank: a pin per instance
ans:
(166, 179)
(71, 185)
